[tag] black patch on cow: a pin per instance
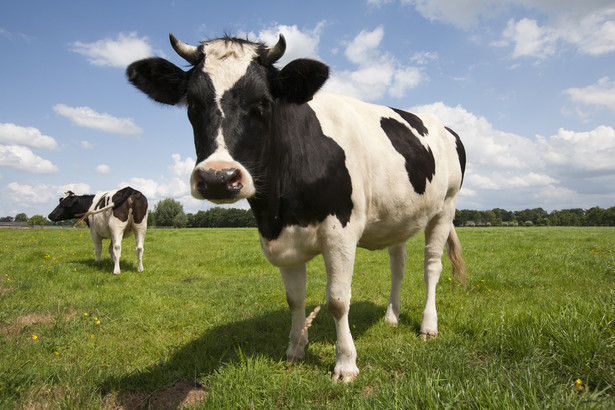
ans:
(414, 121)
(160, 79)
(304, 177)
(71, 206)
(126, 199)
(420, 163)
(203, 114)
(461, 152)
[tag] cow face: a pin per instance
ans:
(67, 209)
(233, 94)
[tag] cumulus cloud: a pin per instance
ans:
(377, 73)
(103, 169)
(601, 94)
(26, 195)
(27, 136)
(119, 52)
(588, 26)
(87, 117)
(300, 43)
(20, 157)
(529, 39)
(518, 171)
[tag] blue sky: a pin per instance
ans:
(528, 85)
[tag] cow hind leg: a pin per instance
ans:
(115, 249)
(397, 261)
(436, 235)
(97, 246)
(139, 239)
(294, 283)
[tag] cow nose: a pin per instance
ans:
(221, 184)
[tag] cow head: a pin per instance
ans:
(232, 93)
(67, 209)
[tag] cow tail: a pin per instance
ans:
(453, 250)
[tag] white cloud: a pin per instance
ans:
(175, 187)
(103, 169)
(588, 26)
(517, 171)
(28, 136)
(300, 43)
(26, 195)
(87, 117)
(86, 145)
(600, 94)
(20, 157)
(122, 51)
(377, 74)
(529, 39)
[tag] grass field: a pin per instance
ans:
(206, 325)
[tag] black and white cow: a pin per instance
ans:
(110, 215)
(323, 173)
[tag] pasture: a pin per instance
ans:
(206, 325)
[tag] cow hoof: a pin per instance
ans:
(117, 273)
(345, 377)
(428, 336)
(391, 320)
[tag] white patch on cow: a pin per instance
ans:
(226, 63)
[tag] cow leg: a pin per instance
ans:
(115, 248)
(397, 261)
(97, 245)
(339, 263)
(139, 239)
(294, 283)
(436, 234)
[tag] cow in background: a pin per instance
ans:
(323, 173)
(110, 215)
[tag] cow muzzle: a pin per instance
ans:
(222, 183)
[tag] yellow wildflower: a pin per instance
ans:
(579, 385)
(34, 337)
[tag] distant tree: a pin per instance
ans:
(7, 219)
(37, 220)
(168, 213)
(21, 217)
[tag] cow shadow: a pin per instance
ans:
(265, 335)
(106, 265)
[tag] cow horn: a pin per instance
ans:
(187, 52)
(276, 52)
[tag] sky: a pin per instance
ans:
(529, 85)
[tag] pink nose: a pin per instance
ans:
(218, 184)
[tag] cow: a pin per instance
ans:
(323, 173)
(109, 215)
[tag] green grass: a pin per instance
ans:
(538, 313)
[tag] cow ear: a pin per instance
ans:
(160, 79)
(299, 80)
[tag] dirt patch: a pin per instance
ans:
(23, 323)
(183, 394)
(4, 290)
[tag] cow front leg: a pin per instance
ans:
(397, 261)
(294, 283)
(340, 264)
(436, 234)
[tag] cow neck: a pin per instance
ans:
(304, 174)
(83, 205)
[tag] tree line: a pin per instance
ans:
(595, 216)
(170, 213)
